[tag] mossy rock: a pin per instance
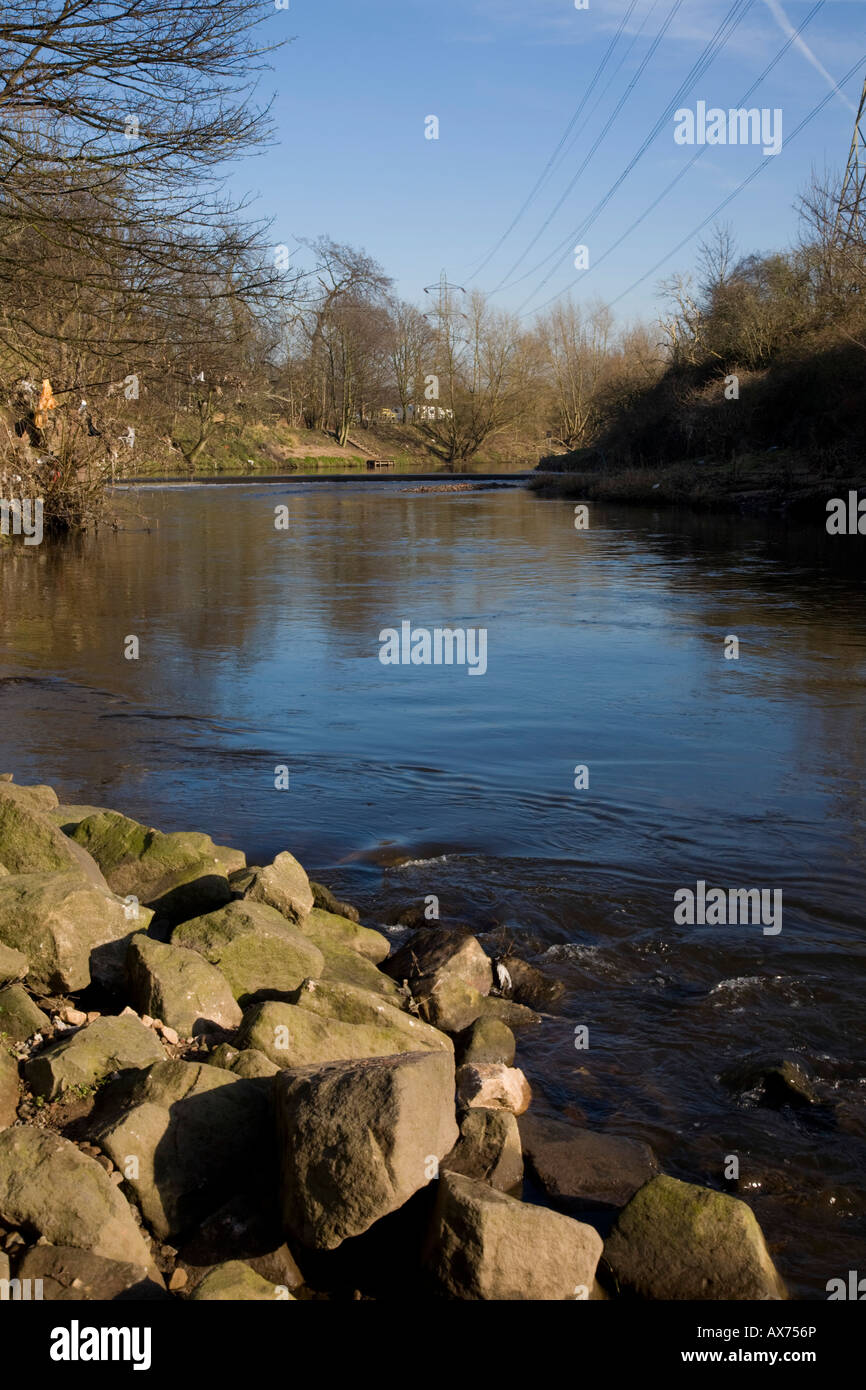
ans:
(675, 1240)
(31, 842)
(180, 987)
(19, 1016)
(326, 929)
(235, 1282)
(179, 874)
(349, 1004)
(291, 1035)
(488, 1040)
(345, 966)
(91, 1053)
(283, 885)
(70, 931)
(255, 948)
(68, 817)
(247, 1062)
(50, 1186)
(514, 1015)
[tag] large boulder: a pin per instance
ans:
(91, 1053)
(186, 1137)
(13, 966)
(448, 973)
(68, 1275)
(70, 931)
(677, 1241)
(577, 1168)
(488, 1149)
(332, 1022)
(486, 1245)
(329, 931)
(49, 1185)
(31, 842)
(283, 885)
(358, 1139)
(178, 875)
(8, 1088)
(493, 1086)
(180, 987)
(235, 1282)
(345, 966)
(256, 950)
(348, 1003)
(19, 1016)
(488, 1040)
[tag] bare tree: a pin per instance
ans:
(487, 372)
(576, 350)
(115, 116)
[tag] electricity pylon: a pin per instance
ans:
(444, 292)
(850, 224)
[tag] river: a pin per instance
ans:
(259, 648)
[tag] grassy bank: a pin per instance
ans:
(781, 481)
(274, 447)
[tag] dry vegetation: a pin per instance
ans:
(147, 323)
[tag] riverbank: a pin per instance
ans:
(216, 1083)
(276, 446)
(781, 482)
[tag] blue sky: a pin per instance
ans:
(504, 78)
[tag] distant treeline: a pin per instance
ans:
(144, 316)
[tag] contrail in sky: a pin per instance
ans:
(787, 28)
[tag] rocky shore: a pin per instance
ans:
(217, 1084)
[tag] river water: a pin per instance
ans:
(259, 648)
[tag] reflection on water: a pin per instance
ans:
(605, 648)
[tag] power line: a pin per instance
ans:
(733, 18)
(617, 109)
(552, 160)
(738, 190)
(686, 167)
